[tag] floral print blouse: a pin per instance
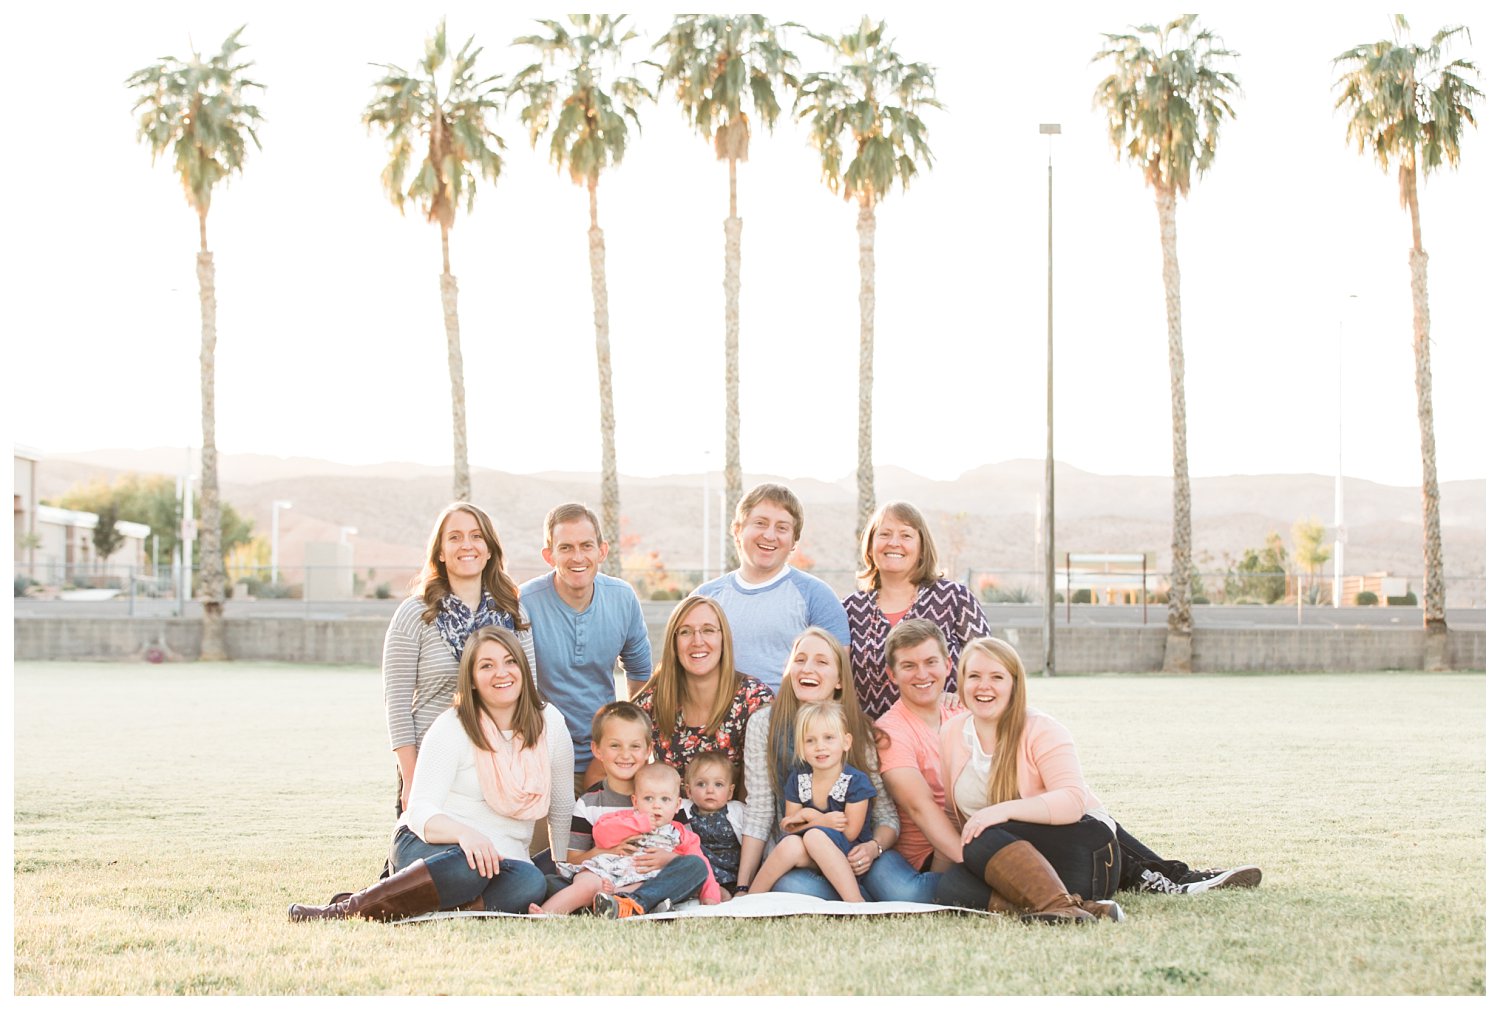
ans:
(687, 742)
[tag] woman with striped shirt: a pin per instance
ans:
(900, 580)
(463, 586)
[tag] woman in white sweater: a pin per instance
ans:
(490, 767)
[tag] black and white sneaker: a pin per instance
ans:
(1198, 881)
(1159, 883)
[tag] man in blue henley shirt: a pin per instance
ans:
(582, 621)
(768, 602)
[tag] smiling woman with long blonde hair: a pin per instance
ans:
(1037, 841)
(817, 671)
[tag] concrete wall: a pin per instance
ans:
(358, 640)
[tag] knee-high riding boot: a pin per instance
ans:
(1020, 876)
(402, 895)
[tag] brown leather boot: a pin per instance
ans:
(1000, 905)
(1021, 875)
(402, 895)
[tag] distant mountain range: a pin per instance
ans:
(985, 519)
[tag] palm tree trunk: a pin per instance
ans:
(211, 556)
(1434, 603)
(864, 477)
(609, 480)
(449, 286)
(733, 478)
(1178, 657)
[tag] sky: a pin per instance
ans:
(330, 329)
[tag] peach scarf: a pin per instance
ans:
(515, 780)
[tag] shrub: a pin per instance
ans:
(24, 583)
(1083, 596)
(1199, 599)
(997, 594)
(1366, 599)
(265, 589)
(1409, 600)
(383, 591)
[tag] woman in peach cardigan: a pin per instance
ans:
(1037, 841)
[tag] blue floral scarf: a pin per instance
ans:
(455, 622)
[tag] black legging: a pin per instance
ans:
(1092, 861)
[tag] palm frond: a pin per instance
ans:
(1407, 103)
(870, 103)
(1167, 99)
(452, 124)
(720, 65)
(586, 106)
(199, 111)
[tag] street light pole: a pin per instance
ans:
(276, 507)
(1339, 533)
(1049, 639)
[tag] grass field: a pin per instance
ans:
(165, 816)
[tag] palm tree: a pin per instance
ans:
(722, 65)
(199, 111)
(869, 101)
(1408, 104)
(1164, 103)
(585, 106)
(452, 124)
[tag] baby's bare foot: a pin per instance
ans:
(535, 909)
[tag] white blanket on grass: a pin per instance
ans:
(756, 906)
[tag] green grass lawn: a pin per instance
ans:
(166, 815)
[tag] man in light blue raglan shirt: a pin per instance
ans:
(581, 622)
(767, 601)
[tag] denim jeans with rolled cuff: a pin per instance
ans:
(679, 880)
(1086, 855)
(513, 889)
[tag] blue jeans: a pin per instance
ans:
(513, 889)
(890, 878)
(679, 880)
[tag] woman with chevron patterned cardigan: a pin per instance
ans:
(899, 580)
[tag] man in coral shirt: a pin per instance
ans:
(916, 660)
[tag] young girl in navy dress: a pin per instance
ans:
(827, 804)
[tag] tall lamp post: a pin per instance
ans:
(1339, 533)
(1049, 628)
(276, 507)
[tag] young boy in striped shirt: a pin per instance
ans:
(620, 738)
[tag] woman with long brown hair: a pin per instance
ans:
(463, 585)
(899, 580)
(495, 763)
(1037, 842)
(817, 670)
(697, 701)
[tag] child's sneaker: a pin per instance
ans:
(616, 906)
